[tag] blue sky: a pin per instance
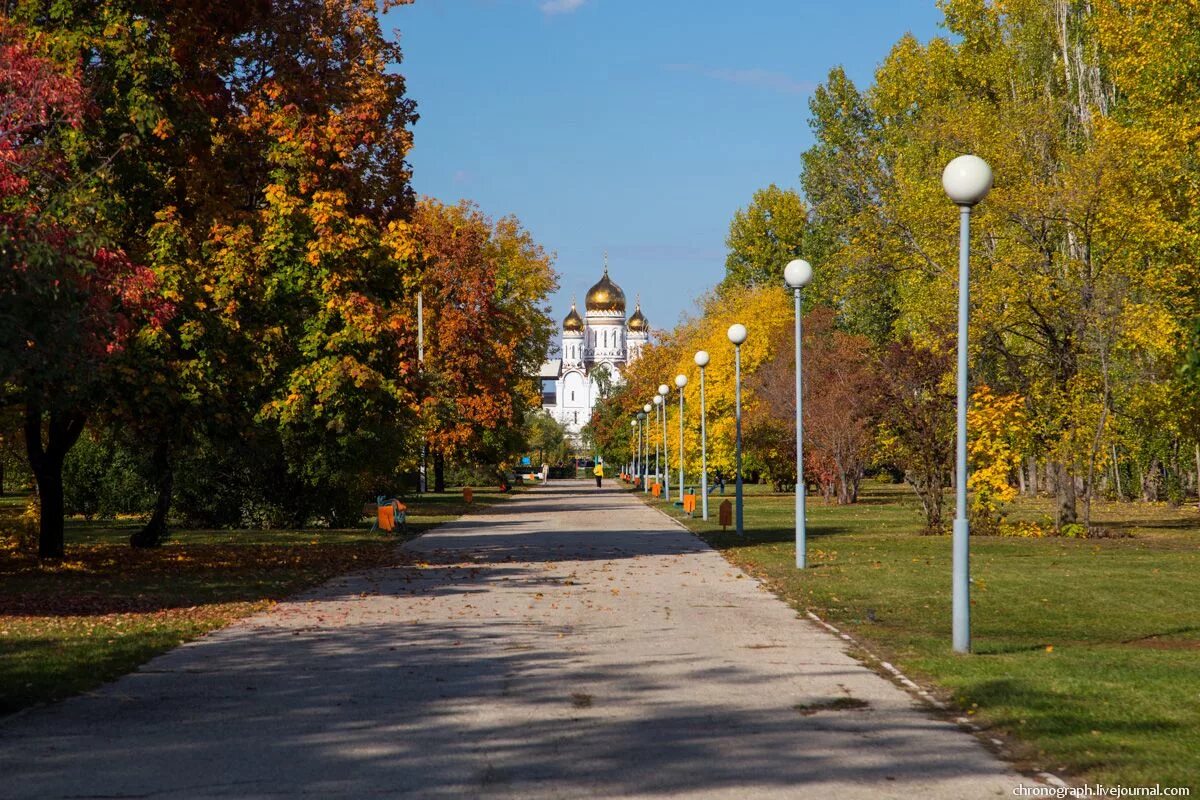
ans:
(633, 126)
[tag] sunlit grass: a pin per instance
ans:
(1086, 652)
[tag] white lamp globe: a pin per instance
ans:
(646, 408)
(967, 180)
(633, 423)
(737, 333)
(681, 381)
(658, 399)
(663, 389)
(701, 358)
(798, 274)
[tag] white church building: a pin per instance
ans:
(602, 339)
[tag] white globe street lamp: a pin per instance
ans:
(797, 274)
(701, 359)
(646, 461)
(657, 400)
(737, 335)
(663, 391)
(967, 180)
(680, 382)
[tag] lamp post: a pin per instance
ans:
(798, 274)
(737, 335)
(701, 360)
(663, 391)
(422, 480)
(966, 180)
(633, 446)
(644, 415)
(657, 444)
(680, 382)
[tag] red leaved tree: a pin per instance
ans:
(68, 304)
(839, 407)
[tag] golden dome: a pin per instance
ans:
(573, 322)
(638, 321)
(605, 295)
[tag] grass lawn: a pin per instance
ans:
(1086, 652)
(66, 628)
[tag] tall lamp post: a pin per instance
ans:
(657, 443)
(680, 382)
(737, 335)
(967, 180)
(798, 274)
(663, 391)
(644, 415)
(634, 446)
(701, 360)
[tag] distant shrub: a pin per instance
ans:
(104, 478)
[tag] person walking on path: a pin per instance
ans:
(599, 473)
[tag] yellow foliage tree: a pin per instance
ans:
(999, 431)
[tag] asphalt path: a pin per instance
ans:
(568, 643)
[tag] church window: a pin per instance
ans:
(576, 416)
(572, 395)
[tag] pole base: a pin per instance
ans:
(961, 587)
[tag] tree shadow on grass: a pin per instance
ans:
(1164, 640)
(1023, 705)
(724, 540)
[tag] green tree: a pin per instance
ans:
(764, 236)
(547, 436)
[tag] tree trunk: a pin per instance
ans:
(439, 472)
(155, 531)
(843, 492)
(1117, 470)
(1150, 481)
(1033, 476)
(46, 461)
(1198, 475)
(1065, 510)
(1089, 487)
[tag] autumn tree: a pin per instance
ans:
(839, 406)
(916, 421)
(485, 286)
(261, 175)
(1080, 278)
(765, 236)
(70, 302)
(764, 311)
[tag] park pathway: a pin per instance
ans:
(569, 643)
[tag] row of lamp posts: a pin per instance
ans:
(966, 180)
